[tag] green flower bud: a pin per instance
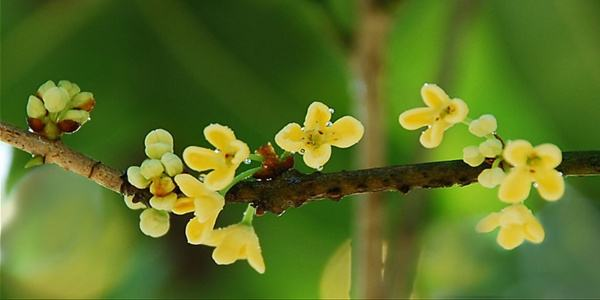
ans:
(84, 101)
(158, 142)
(134, 176)
(51, 131)
(154, 223)
(55, 99)
(172, 163)
(44, 87)
(165, 203)
(77, 115)
(35, 108)
(70, 87)
(151, 168)
(133, 205)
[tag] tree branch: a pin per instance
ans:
(292, 188)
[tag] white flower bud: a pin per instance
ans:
(490, 148)
(483, 126)
(472, 156)
(70, 87)
(172, 163)
(55, 99)
(154, 223)
(490, 178)
(133, 205)
(151, 168)
(134, 176)
(165, 203)
(35, 107)
(158, 142)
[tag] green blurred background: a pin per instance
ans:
(257, 65)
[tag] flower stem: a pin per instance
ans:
(239, 178)
(248, 215)
(256, 157)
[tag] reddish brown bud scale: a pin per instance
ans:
(68, 126)
(272, 165)
(37, 125)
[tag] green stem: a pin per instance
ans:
(239, 178)
(497, 162)
(248, 215)
(256, 157)
(467, 121)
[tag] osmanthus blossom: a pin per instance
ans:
(223, 161)
(440, 114)
(516, 223)
(234, 242)
(207, 205)
(315, 139)
(531, 165)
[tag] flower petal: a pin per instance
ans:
(534, 232)
(183, 206)
(290, 138)
(516, 152)
(489, 223)
(417, 117)
(317, 157)
(434, 96)
(202, 159)
(154, 223)
(472, 156)
(208, 207)
(511, 237)
(550, 154)
(227, 252)
(191, 186)
(254, 255)
(346, 132)
(165, 203)
(432, 137)
(219, 178)
(241, 151)
(197, 232)
(219, 136)
(486, 124)
(550, 184)
(458, 111)
(515, 187)
(317, 116)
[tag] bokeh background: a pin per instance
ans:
(257, 65)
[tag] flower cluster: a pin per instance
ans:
(513, 166)
(57, 109)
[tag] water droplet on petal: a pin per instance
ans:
(535, 185)
(331, 110)
(302, 151)
(329, 124)
(247, 161)
(217, 150)
(302, 128)
(281, 213)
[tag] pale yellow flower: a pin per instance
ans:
(133, 205)
(492, 177)
(229, 154)
(315, 139)
(158, 142)
(238, 241)
(200, 232)
(516, 223)
(531, 165)
(472, 156)
(440, 114)
(483, 126)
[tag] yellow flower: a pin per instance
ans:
(207, 205)
(440, 114)
(516, 223)
(315, 139)
(238, 241)
(531, 165)
(223, 161)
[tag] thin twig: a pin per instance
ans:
(293, 188)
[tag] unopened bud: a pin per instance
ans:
(35, 107)
(151, 168)
(472, 156)
(55, 99)
(154, 223)
(44, 87)
(165, 203)
(70, 87)
(172, 163)
(162, 186)
(134, 176)
(158, 142)
(77, 115)
(84, 101)
(490, 148)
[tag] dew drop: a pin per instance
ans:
(217, 150)
(331, 110)
(281, 213)
(535, 185)
(329, 124)
(302, 151)
(247, 161)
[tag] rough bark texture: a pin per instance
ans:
(293, 189)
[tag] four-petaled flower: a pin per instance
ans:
(315, 139)
(516, 223)
(440, 114)
(531, 165)
(207, 205)
(229, 154)
(238, 241)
